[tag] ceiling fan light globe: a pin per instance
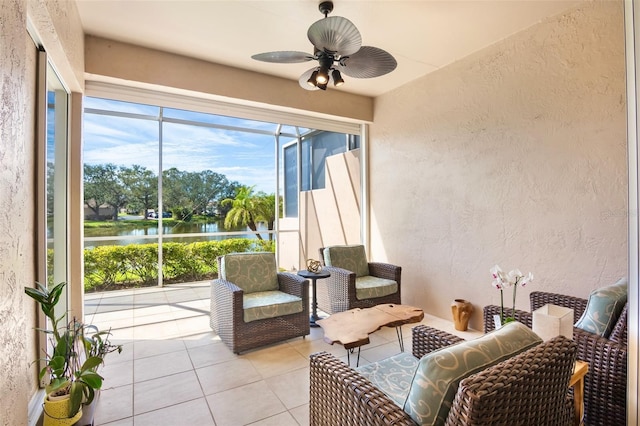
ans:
(313, 80)
(322, 77)
(337, 78)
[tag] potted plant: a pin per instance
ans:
(74, 353)
(96, 344)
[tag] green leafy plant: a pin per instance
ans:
(77, 350)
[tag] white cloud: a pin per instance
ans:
(247, 158)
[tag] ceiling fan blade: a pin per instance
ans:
(335, 34)
(368, 62)
(283, 57)
(304, 77)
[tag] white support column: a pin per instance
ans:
(632, 44)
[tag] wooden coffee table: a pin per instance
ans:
(352, 328)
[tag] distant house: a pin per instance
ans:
(105, 211)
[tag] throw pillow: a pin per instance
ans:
(439, 373)
(250, 271)
(603, 309)
(352, 258)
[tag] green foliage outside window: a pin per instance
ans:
(136, 265)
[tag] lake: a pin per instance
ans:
(183, 232)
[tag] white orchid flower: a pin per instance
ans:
(526, 279)
(514, 277)
(495, 271)
(499, 277)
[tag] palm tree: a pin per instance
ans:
(244, 210)
(266, 210)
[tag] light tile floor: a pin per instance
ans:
(174, 370)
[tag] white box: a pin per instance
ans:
(550, 321)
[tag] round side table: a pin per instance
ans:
(314, 299)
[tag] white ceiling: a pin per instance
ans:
(423, 36)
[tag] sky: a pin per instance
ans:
(247, 158)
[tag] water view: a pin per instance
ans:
(182, 232)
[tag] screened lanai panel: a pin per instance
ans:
(121, 150)
(205, 171)
(203, 166)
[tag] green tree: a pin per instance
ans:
(102, 186)
(247, 209)
(195, 192)
(141, 185)
(243, 210)
(229, 191)
(265, 210)
(173, 191)
(50, 187)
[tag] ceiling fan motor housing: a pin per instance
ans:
(326, 7)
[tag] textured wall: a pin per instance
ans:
(515, 155)
(56, 24)
(17, 341)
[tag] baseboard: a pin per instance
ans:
(35, 408)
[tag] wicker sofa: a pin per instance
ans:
(606, 383)
(529, 388)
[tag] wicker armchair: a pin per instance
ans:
(227, 316)
(605, 385)
(338, 292)
(530, 388)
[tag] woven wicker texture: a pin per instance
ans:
(227, 316)
(340, 396)
(529, 389)
(338, 292)
(605, 385)
(427, 339)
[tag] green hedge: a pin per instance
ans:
(114, 267)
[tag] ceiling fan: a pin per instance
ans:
(338, 49)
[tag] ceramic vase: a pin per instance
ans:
(56, 411)
(461, 310)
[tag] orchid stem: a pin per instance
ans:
(513, 309)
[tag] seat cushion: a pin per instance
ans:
(370, 287)
(269, 304)
(352, 258)
(603, 309)
(250, 271)
(392, 375)
(438, 374)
